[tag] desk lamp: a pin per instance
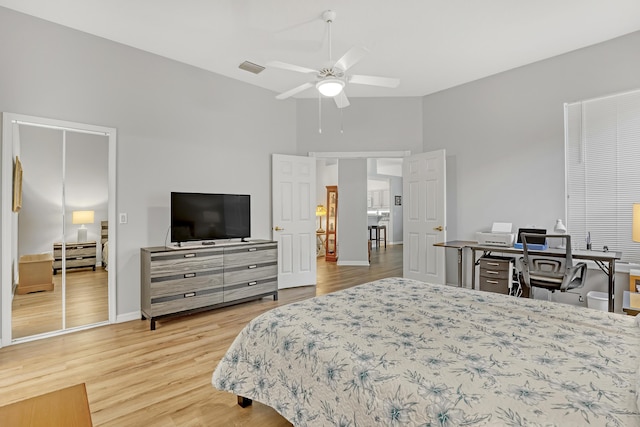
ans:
(559, 228)
(82, 217)
(320, 212)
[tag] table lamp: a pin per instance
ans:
(320, 212)
(82, 217)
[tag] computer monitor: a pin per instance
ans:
(532, 240)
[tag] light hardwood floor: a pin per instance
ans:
(87, 302)
(138, 377)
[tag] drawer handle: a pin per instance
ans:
(252, 266)
(189, 275)
(252, 249)
(492, 272)
(493, 282)
(189, 255)
(252, 283)
(78, 257)
(494, 264)
(190, 294)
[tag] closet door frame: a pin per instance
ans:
(8, 222)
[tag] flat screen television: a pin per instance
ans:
(204, 216)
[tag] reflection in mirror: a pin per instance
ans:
(36, 308)
(86, 192)
(64, 172)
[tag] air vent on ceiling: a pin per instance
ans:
(251, 67)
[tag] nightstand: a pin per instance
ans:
(77, 255)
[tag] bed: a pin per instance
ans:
(400, 352)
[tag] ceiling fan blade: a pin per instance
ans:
(350, 58)
(341, 100)
(375, 81)
(291, 92)
(290, 67)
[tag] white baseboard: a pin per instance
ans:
(128, 317)
(356, 263)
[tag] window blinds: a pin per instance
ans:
(602, 154)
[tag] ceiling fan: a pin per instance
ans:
(332, 79)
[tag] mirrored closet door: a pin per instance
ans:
(62, 231)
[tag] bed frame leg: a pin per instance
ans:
(244, 402)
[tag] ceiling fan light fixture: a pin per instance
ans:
(330, 87)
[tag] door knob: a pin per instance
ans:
(278, 228)
(438, 228)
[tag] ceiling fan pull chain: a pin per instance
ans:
(329, 23)
(319, 113)
(341, 120)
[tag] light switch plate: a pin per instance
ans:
(123, 218)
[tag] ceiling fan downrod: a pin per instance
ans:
(329, 16)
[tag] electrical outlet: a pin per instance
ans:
(580, 298)
(123, 218)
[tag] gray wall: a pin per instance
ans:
(504, 135)
(352, 212)
(369, 124)
(180, 128)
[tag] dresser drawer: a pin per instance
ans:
(494, 263)
(188, 262)
(186, 301)
(184, 283)
(249, 273)
(255, 254)
(250, 288)
(495, 274)
(79, 262)
(488, 284)
(74, 252)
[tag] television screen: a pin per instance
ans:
(203, 216)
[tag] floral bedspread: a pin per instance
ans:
(398, 352)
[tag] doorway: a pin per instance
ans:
(68, 202)
(381, 167)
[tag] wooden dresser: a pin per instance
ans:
(192, 279)
(76, 254)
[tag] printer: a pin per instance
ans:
(500, 235)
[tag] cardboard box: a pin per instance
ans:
(35, 273)
(634, 300)
(634, 280)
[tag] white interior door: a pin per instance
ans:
(293, 189)
(424, 216)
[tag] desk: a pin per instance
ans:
(606, 261)
(459, 245)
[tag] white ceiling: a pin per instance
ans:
(430, 45)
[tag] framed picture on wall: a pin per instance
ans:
(17, 185)
(398, 200)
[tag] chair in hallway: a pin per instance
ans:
(376, 236)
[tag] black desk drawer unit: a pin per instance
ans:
(495, 274)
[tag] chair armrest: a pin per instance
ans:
(577, 272)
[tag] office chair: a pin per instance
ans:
(554, 273)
